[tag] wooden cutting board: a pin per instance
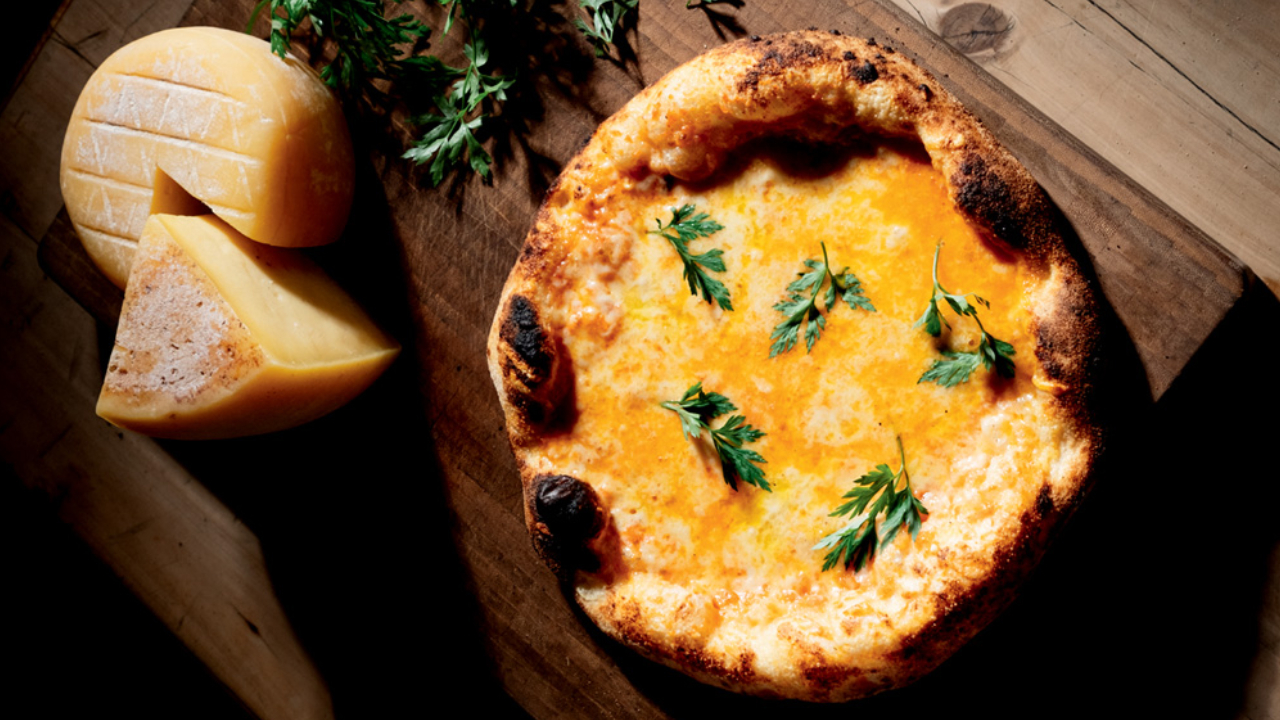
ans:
(393, 531)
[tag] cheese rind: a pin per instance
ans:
(257, 139)
(223, 337)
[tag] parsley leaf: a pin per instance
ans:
(365, 41)
(369, 47)
(959, 365)
(684, 227)
(799, 309)
(606, 16)
(858, 543)
(449, 135)
(696, 409)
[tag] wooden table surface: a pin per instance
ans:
(1157, 597)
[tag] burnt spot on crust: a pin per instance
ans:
(928, 92)
(565, 514)
(984, 195)
(1044, 501)
(537, 381)
(522, 332)
(774, 61)
(865, 73)
(567, 506)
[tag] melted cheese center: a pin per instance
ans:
(724, 562)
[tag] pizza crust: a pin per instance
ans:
(819, 89)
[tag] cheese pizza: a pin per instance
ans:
(798, 371)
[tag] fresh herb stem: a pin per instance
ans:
(958, 365)
(607, 17)
(370, 47)
(801, 310)
(858, 543)
(696, 409)
(686, 225)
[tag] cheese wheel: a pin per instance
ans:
(220, 336)
(195, 118)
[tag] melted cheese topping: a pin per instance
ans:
(715, 569)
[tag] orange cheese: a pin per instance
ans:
(209, 120)
(221, 336)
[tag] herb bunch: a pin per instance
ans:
(370, 47)
(450, 134)
(366, 43)
(696, 409)
(607, 17)
(858, 543)
(800, 310)
(685, 226)
(959, 365)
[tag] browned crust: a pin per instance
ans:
(814, 87)
(563, 514)
(529, 360)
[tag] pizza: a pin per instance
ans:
(798, 370)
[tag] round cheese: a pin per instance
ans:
(195, 118)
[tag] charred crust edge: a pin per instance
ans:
(865, 73)
(789, 53)
(564, 514)
(535, 380)
(523, 333)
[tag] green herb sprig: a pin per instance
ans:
(606, 18)
(366, 43)
(369, 47)
(450, 134)
(697, 409)
(685, 226)
(801, 310)
(858, 543)
(959, 365)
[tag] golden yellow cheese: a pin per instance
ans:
(205, 120)
(222, 337)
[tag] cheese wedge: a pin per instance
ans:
(223, 337)
(205, 118)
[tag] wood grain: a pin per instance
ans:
(391, 533)
(1187, 106)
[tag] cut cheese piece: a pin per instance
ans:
(212, 114)
(222, 337)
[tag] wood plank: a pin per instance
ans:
(349, 536)
(1186, 106)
